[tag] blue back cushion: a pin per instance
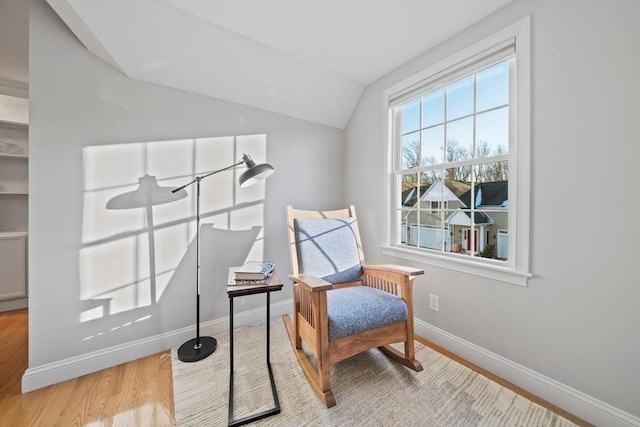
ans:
(327, 248)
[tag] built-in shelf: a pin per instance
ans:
(13, 265)
(14, 175)
(14, 201)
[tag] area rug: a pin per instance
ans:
(370, 390)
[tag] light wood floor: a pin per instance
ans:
(138, 393)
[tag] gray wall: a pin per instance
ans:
(77, 101)
(578, 320)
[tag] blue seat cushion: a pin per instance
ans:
(327, 248)
(359, 309)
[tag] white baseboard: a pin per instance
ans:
(73, 367)
(573, 401)
(14, 304)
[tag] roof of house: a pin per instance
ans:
(410, 195)
(488, 194)
(479, 218)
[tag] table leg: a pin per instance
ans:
(268, 329)
(274, 392)
(230, 359)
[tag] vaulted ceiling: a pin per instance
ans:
(309, 59)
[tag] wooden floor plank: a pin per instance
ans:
(135, 393)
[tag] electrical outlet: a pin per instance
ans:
(434, 302)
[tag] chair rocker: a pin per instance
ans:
(343, 307)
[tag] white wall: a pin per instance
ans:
(78, 103)
(578, 321)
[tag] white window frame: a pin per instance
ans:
(516, 269)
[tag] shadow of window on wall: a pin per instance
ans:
(138, 239)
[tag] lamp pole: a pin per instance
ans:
(199, 347)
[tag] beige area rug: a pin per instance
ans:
(370, 390)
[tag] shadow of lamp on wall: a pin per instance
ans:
(199, 347)
(147, 195)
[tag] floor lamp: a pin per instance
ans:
(199, 347)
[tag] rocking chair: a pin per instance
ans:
(343, 307)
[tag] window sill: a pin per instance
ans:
(494, 272)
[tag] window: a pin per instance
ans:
(458, 163)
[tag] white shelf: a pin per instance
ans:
(14, 125)
(9, 234)
(13, 156)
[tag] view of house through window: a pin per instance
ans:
(453, 165)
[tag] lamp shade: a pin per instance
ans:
(254, 173)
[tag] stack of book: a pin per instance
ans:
(254, 273)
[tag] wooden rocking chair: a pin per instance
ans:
(343, 307)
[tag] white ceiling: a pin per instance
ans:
(309, 59)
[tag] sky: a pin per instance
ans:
(456, 99)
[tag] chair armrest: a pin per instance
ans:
(400, 269)
(384, 275)
(311, 283)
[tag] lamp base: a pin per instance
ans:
(191, 352)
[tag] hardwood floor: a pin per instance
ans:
(138, 393)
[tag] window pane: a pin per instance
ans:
(492, 133)
(406, 218)
(488, 239)
(459, 139)
(433, 108)
(408, 190)
(492, 87)
(431, 190)
(430, 177)
(455, 234)
(502, 240)
(412, 230)
(461, 174)
(429, 230)
(460, 98)
(492, 172)
(411, 150)
(411, 116)
(433, 145)
(426, 179)
(448, 236)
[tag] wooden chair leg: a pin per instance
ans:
(319, 381)
(403, 359)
